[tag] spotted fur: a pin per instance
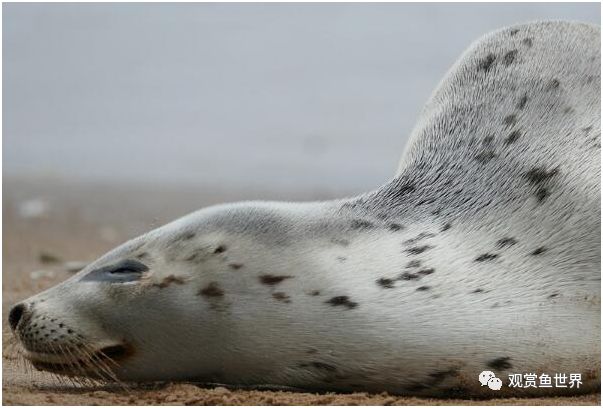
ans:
(482, 253)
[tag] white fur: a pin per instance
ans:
(462, 187)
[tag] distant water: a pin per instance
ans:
(286, 96)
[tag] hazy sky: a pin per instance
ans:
(317, 96)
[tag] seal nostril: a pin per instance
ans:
(15, 314)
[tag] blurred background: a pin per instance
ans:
(271, 97)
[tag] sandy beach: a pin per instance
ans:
(48, 223)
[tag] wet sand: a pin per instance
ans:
(49, 222)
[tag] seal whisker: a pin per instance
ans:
(102, 363)
(70, 379)
(82, 361)
(88, 358)
(104, 366)
(59, 350)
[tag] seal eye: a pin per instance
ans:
(127, 270)
(128, 266)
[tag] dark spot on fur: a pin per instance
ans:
(539, 175)
(408, 276)
(385, 283)
(441, 375)
(512, 138)
(188, 236)
(514, 31)
(488, 140)
(235, 266)
(319, 365)
(486, 257)
(522, 102)
(510, 120)
(486, 63)
(554, 295)
(568, 109)
(272, 280)
(418, 250)
(315, 293)
(527, 42)
(395, 227)
(142, 255)
(485, 156)
(419, 237)
(361, 224)
(426, 200)
(509, 57)
(413, 264)
(552, 84)
(587, 129)
(212, 290)
(432, 380)
(506, 242)
(479, 290)
(341, 258)
(220, 249)
(168, 280)
(538, 251)
(195, 257)
(423, 288)
(342, 301)
(342, 242)
(281, 297)
(446, 227)
(426, 271)
(501, 363)
(542, 194)
(416, 387)
(392, 194)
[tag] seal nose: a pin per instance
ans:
(15, 315)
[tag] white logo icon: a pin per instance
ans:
(485, 376)
(495, 384)
(489, 378)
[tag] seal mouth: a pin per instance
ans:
(83, 365)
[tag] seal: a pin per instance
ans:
(481, 254)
